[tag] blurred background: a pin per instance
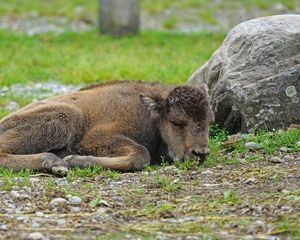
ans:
(49, 47)
(165, 15)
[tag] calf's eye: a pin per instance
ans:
(178, 124)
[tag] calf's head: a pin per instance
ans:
(184, 118)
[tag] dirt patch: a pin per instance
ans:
(250, 200)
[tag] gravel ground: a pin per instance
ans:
(249, 200)
(34, 91)
(32, 23)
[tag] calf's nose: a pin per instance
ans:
(200, 153)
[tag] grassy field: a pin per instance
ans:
(237, 193)
(87, 57)
(84, 58)
(206, 12)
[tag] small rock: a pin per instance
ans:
(280, 7)
(288, 158)
(3, 227)
(14, 194)
(24, 219)
(19, 196)
(74, 200)
(102, 210)
(206, 172)
(39, 214)
(250, 180)
(34, 180)
(248, 237)
(58, 202)
(284, 149)
(35, 225)
(257, 226)
(75, 209)
(286, 208)
(10, 211)
(298, 143)
(253, 145)
(12, 106)
(170, 169)
(36, 236)
(220, 167)
(275, 159)
(61, 222)
(242, 160)
(212, 185)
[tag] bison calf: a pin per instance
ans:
(121, 125)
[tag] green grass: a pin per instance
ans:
(8, 178)
(170, 22)
(84, 172)
(290, 226)
(71, 9)
(167, 183)
(230, 197)
(270, 141)
(11, 173)
(88, 57)
(207, 16)
(80, 9)
(156, 6)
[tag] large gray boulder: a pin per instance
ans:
(254, 77)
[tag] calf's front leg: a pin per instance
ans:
(115, 152)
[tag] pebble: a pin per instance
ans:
(39, 214)
(250, 180)
(3, 227)
(74, 200)
(33, 24)
(206, 172)
(35, 225)
(284, 149)
(35, 91)
(248, 237)
(275, 159)
(34, 180)
(298, 143)
(257, 226)
(286, 208)
(36, 236)
(75, 209)
(281, 8)
(19, 196)
(14, 194)
(253, 145)
(288, 158)
(61, 222)
(58, 202)
(102, 210)
(24, 219)
(12, 106)
(170, 169)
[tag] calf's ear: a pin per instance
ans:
(153, 102)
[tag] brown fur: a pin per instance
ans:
(121, 125)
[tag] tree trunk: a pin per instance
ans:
(119, 17)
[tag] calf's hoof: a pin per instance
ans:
(78, 161)
(55, 165)
(60, 170)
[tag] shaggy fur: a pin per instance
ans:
(120, 125)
